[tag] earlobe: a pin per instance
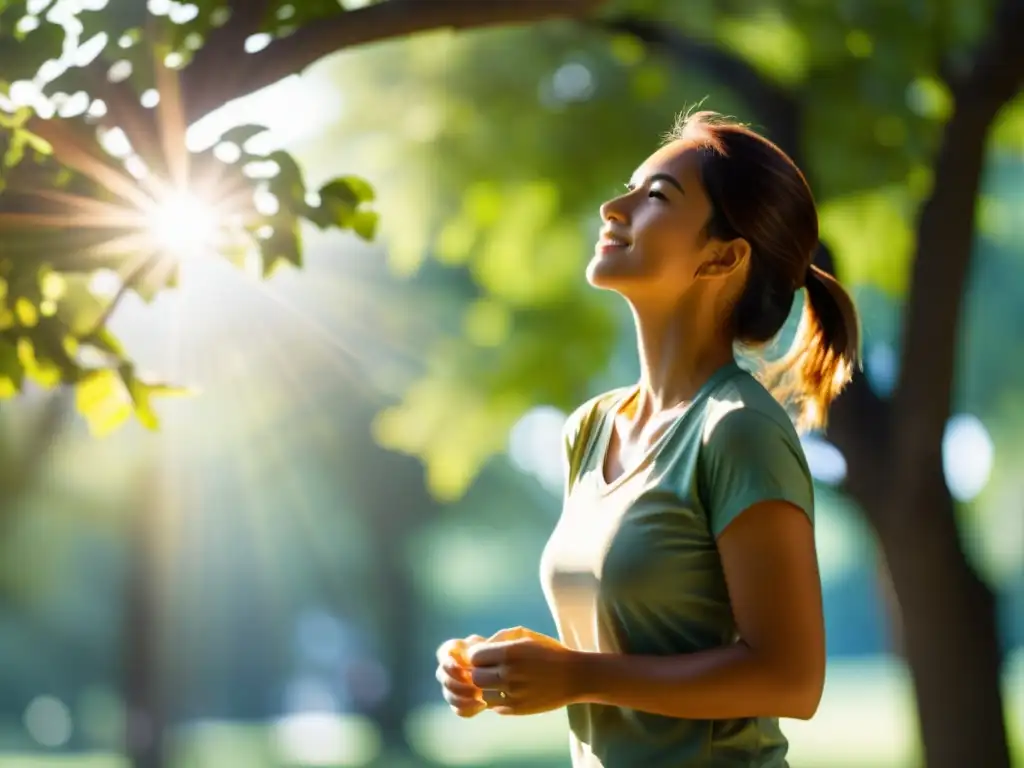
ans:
(725, 259)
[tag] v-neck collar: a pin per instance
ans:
(605, 486)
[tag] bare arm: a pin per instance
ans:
(776, 670)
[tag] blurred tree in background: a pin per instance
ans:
(890, 110)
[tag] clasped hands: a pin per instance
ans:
(513, 672)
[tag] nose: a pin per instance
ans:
(615, 210)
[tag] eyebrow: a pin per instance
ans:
(667, 178)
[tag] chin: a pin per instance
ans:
(607, 273)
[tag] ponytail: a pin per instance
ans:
(824, 354)
(757, 193)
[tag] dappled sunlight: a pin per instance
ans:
(880, 366)
(842, 538)
(967, 456)
(48, 721)
(535, 446)
(825, 461)
(440, 736)
(319, 739)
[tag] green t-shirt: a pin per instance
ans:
(632, 566)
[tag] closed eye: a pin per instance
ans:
(651, 193)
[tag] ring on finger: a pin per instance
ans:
(492, 697)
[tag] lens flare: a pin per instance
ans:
(184, 225)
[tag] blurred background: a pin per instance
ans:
(368, 461)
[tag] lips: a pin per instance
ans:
(609, 241)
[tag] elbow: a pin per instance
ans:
(804, 693)
(805, 707)
(798, 684)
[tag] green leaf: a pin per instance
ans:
(772, 42)
(364, 223)
(288, 185)
(284, 246)
(241, 134)
(352, 188)
(12, 373)
(41, 371)
(288, 14)
(101, 397)
(140, 395)
(339, 203)
(872, 236)
(105, 341)
(1008, 130)
(22, 54)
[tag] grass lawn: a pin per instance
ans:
(866, 718)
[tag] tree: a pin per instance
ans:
(97, 177)
(893, 448)
(903, 164)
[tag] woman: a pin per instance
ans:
(682, 574)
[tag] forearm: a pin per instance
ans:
(719, 684)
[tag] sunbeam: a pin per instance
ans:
(184, 225)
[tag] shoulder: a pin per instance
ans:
(750, 453)
(742, 410)
(580, 429)
(581, 419)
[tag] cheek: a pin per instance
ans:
(669, 251)
(664, 256)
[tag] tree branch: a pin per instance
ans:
(945, 236)
(375, 23)
(221, 65)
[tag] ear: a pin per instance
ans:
(725, 258)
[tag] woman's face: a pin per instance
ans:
(653, 245)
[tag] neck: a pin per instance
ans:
(676, 357)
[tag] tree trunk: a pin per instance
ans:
(395, 503)
(144, 695)
(949, 623)
(398, 608)
(948, 630)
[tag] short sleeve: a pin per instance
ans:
(571, 443)
(578, 433)
(748, 458)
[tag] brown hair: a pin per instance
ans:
(757, 193)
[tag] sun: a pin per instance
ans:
(184, 225)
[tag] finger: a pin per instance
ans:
(446, 672)
(489, 677)
(511, 633)
(458, 687)
(494, 699)
(464, 707)
(490, 654)
(461, 654)
(456, 670)
(459, 651)
(450, 648)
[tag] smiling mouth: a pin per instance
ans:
(611, 243)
